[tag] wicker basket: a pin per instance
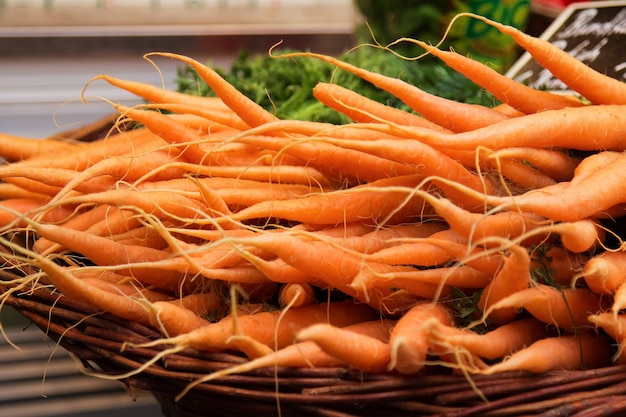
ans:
(98, 340)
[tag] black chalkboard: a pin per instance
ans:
(594, 32)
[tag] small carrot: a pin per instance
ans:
(275, 329)
(615, 326)
(597, 87)
(363, 110)
(300, 355)
(409, 342)
(494, 344)
(333, 160)
(520, 96)
(377, 199)
(606, 272)
(362, 352)
(19, 148)
(296, 295)
(514, 276)
(585, 350)
(450, 114)
(250, 112)
(565, 308)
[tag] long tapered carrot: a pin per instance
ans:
(364, 110)
(249, 111)
(362, 352)
(564, 308)
(301, 354)
(276, 329)
(597, 87)
(614, 324)
(333, 159)
(18, 148)
(331, 208)
(156, 94)
(520, 96)
(428, 160)
(494, 344)
(450, 114)
(586, 350)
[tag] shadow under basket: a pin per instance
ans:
(103, 344)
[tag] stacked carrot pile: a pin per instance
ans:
(460, 235)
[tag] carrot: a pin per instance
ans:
(162, 203)
(480, 227)
(301, 354)
(561, 264)
(494, 344)
(11, 191)
(614, 325)
(424, 282)
(520, 96)
(170, 130)
(514, 276)
(215, 120)
(362, 352)
(427, 160)
(296, 295)
(19, 148)
(332, 160)
(596, 87)
(275, 173)
(564, 308)
(606, 272)
(373, 201)
(578, 200)
(14, 211)
(450, 114)
(250, 112)
(408, 342)
(556, 164)
(275, 329)
(158, 95)
(363, 110)
(539, 130)
(585, 350)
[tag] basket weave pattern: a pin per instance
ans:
(100, 342)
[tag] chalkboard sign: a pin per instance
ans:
(593, 32)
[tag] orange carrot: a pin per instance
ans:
(494, 344)
(302, 354)
(606, 272)
(539, 130)
(275, 329)
(363, 110)
(615, 326)
(18, 148)
(450, 114)
(333, 160)
(362, 352)
(514, 276)
(296, 295)
(564, 308)
(409, 342)
(518, 95)
(250, 112)
(355, 204)
(585, 350)
(596, 87)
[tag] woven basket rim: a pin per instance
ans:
(100, 341)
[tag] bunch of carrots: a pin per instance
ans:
(483, 239)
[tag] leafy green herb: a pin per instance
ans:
(543, 271)
(284, 86)
(466, 308)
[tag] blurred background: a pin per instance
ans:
(49, 49)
